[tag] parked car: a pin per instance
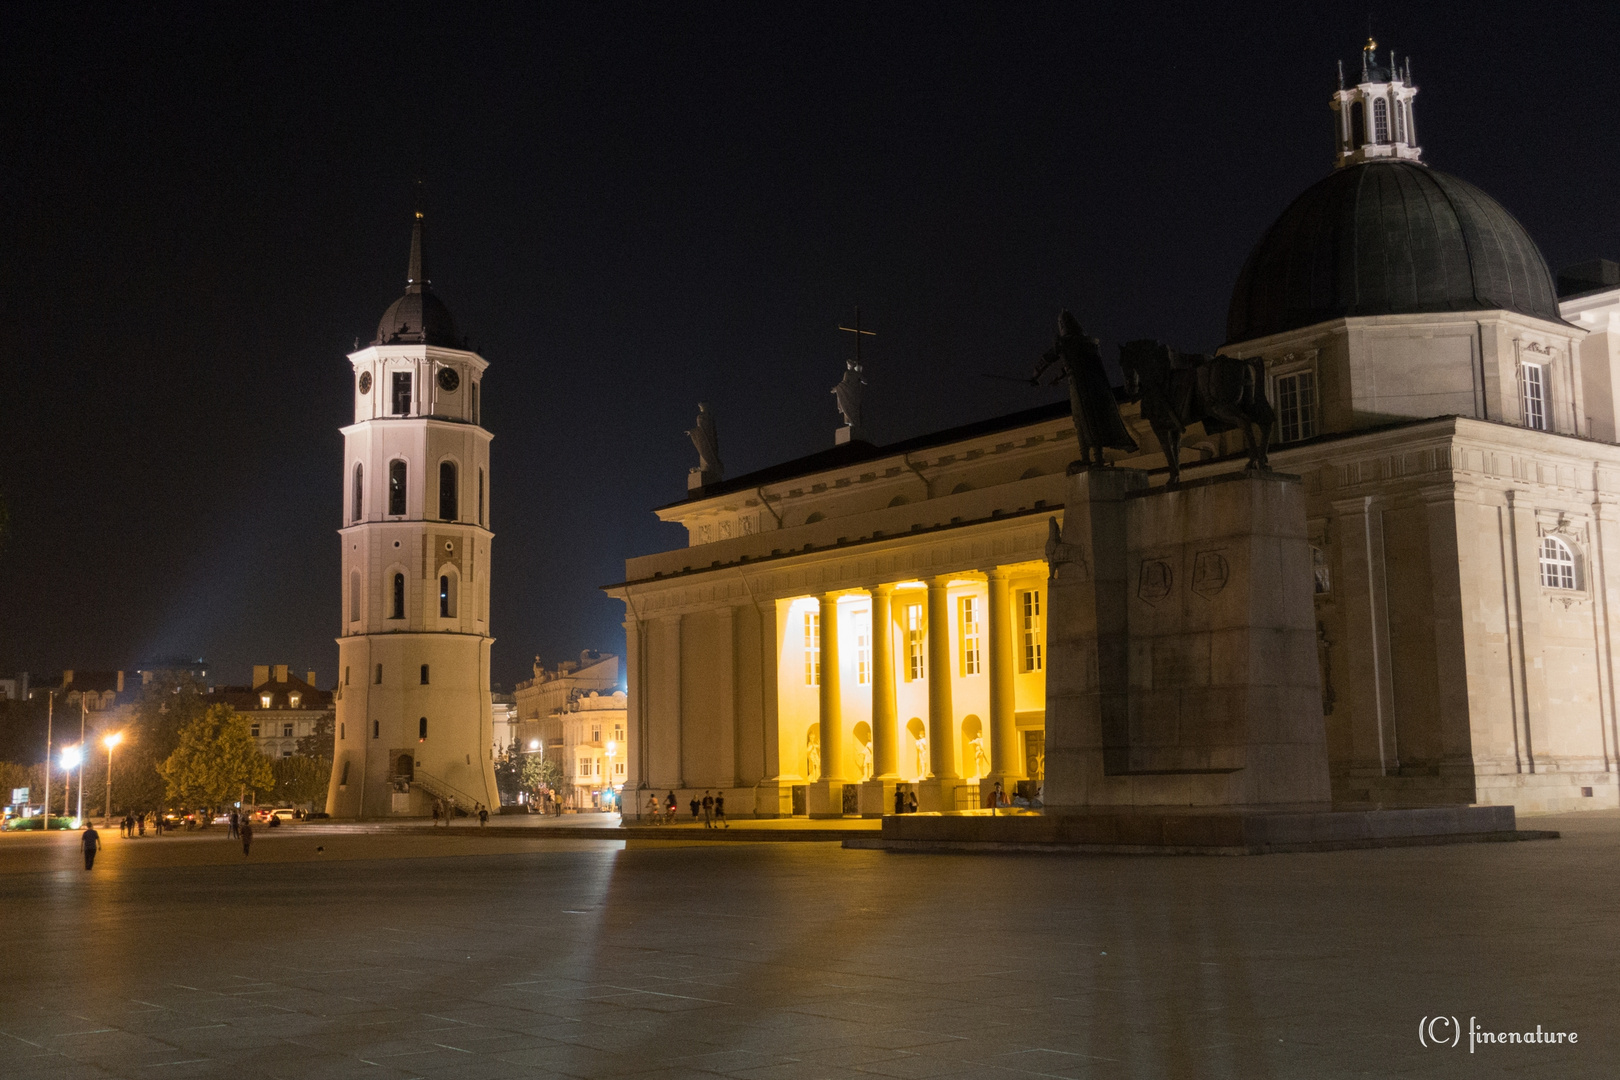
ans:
(285, 813)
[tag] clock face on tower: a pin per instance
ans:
(365, 382)
(448, 380)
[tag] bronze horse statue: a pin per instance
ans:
(1180, 389)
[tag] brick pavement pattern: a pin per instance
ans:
(485, 957)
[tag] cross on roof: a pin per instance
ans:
(858, 332)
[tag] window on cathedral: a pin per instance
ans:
(378, 679)
(421, 725)
(1296, 406)
(1400, 122)
(968, 633)
(812, 648)
(480, 496)
(447, 596)
(424, 674)
(447, 491)
(343, 731)
(862, 619)
(1557, 564)
(1380, 121)
(357, 499)
(1029, 625)
(396, 487)
(402, 393)
(345, 674)
(1533, 391)
(475, 403)
(1358, 124)
(376, 726)
(914, 643)
(354, 596)
(399, 601)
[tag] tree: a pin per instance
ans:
(509, 774)
(301, 779)
(216, 759)
(321, 742)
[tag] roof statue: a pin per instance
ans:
(848, 392)
(1091, 398)
(1180, 389)
(706, 438)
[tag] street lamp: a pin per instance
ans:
(110, 741)
(71, 757)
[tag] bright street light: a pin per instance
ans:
(70, 757)
(534, 744)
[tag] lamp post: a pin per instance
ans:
(612, 751)
(50, 716)
(84, 708)
(72, 757)
(110, 741)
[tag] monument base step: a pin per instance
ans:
(1199, 831)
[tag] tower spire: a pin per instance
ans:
(416, 278)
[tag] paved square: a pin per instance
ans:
(490, 956)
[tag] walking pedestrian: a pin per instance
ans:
(236, 824)
(695, 806)
(246, 832)
(911, 802)
(708, 810)
(899, 800)
(720, 809)
(91, 842)
(124, 825)
(140, 823)
(435, 813)
(483, 815)
(157, 823)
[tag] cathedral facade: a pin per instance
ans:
(868, 619)
(413, 719)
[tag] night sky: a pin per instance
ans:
(631, 209)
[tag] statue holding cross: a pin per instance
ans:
(849, 388)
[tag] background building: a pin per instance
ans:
(280, 708)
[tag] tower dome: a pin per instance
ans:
(1385, 234)
(419, 317)
(1388, 237)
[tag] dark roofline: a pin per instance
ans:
(854, 453)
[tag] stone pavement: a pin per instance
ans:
(483, 957)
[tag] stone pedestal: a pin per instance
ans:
(1182, 666)
(825, 798)
(877, 797)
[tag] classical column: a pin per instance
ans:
(885, 733)
(1004, 759)
(941, 718)
(832, 711)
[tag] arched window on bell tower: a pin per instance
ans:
(399, 596)
(396, 487)
(357, 499)
(480, 496)
(447, 491)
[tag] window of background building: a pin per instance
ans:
(264, 701)
(914, 642)
(286, 753)
(967, 609)
(618, 768)
(1557, 564)
(253, 729)
(293, 700)
(862, 619)
(286, 731)
(1533, 385)
(396, 487)
(402, 393)
(1296, 406)
(812, 648)
(596, 733)
(1029, 618)
(584, 766)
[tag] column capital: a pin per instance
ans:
(886, 589)
(998, 573)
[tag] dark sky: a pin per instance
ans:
(632, 208)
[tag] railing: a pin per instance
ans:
(445, 790)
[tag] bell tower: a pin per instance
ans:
(1372, 119)
(413, 708)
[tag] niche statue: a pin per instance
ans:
(1091, 399)
(1180, 389)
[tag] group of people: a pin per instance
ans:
(444, 810)
(711, 808)
(133, 824)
